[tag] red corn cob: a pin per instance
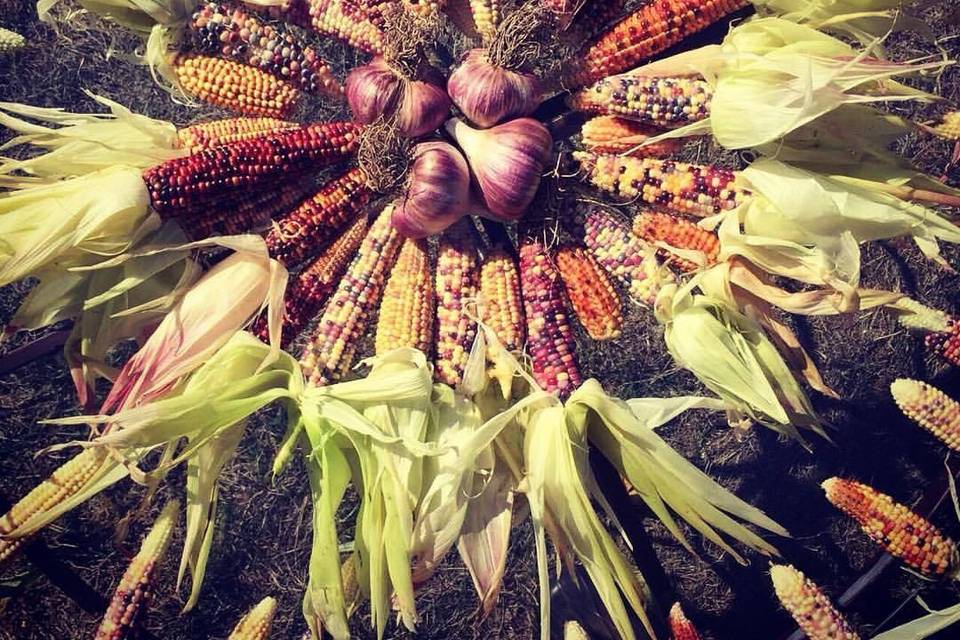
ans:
(947, 344)
(592, 297)
(680, 626)
(243, 212)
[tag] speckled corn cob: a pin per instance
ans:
(624, 256)
(10, 41)
(61, 485)
(592, 298)
(216, 133)
(680, 626)
(256, 624)
(930, 408)
(621, 136)
(250, 210)
(457, 282)
(649, 30)
(949, 126)
(348, 313)
(947, 344)
(596, 16)
(406, 313)
(697, 190)
(550, 340)
(136, 586)
(651, 227)
(809, 606)
(902, 533)
(499, 304)
(661, 102)
(303, 231)
(348, 21)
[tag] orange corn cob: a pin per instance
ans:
(457, 282)
(621, 136)
(592, 297)
(680, 626)
(406, 314)
(930, 408)
(809, 606)
(216, 133)
(249, 210)
(652, 227)
(256, 624)
(660, 102)
(499, 305)
(348, 21)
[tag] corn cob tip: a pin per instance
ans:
(680, 625)
(930, 408)
(255, 625)
(10, 41)
(809, 606)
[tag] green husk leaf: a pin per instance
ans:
(925, 626)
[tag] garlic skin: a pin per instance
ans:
(488, 95)
(437, 193)
(507, 162)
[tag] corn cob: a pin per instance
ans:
(661, 102)
(205, 176)
(303, 231)
(136, 588)
(949, 126)
(10, 41)
(902, 533)
(917, 316)
(256, 624)
(621, 136)
(348, 21)
(648, 31)
(406, 314)
(624, 256)
(499, 304)
(457, 282)
(573, 631)
(424, 8)
(809, 606)
(946, 344)
(249, 210)
(347, 315)
(487, 15)
(592, 298)
(61, 485)
(550, 340)
(680, 626)
(596, 15)
(216, 133)
(930, 408)
(377, 10)
(652, 227)
(698, 190)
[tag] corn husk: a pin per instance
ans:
(136, 15)
(923, 627)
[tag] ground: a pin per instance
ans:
(264, 529)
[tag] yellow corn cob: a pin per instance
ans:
(901, 532)
(234, 86)
(256, 624)
(661, 102)
(406, 314)
(216, 133)
(487, 15)
(457, 281)
(594, 301)
(949, 126)
(499, 305)
(10, 41)
(614, 135)
(680, 626)
(809, 606)
(348, 21)
(136, 586)
(930, 408)
(652, 227)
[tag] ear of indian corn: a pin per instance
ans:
(242, 212)
(914, 315)
(406, 313)
(930, 408)
(236, 34)
(652, 226)
(649, 30)
(61, 485)
(680, 626)
(661, 102)
(10, 41)
(210, 174)
(900, 531)
(946, 344)
(457, 283)
(256, 624)
(809, 606)
(216, 133)
(348, 21)
(550, 342)
(948, 127)
(349, 311)
(592, 297)
(136, 586)
(614, 135)
(596, 16)
(307, 228)
(499, 304)
(377, 10)
(697, 190)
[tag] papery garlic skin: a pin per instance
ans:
(488, 95)
(437, 193)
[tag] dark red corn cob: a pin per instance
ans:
(946, 344)
(242, 213)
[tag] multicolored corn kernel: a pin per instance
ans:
(550, 340)
(499, 304)
(597, 15)
(660, 102)
(680, 626)
(457, 283)
(348, 313)
(946, 344)
(304, 230)
(591, 295)
(346, 20)
(242, 212)
(614, 135)
(256, 624)
(652, 227)
(690, 189)
(893, 526)
(624, 256)
(10, 41)
(136, 586)
(210, 174)
(377, 10)
(809, 606)
(406, 313)
(649, 30)
(930, 408)
(60, 486)
(216, 133)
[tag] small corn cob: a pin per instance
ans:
(592, 297)
(250, 210)
(596, 15)
(256, 624)
(499, 305)
(210, 174)
(303, 231)
(136, 589)
(661, 102)
(649, 30)
(917, 316)
(652, 227)
(487, 16)
(930, 408)
(614, 135)
(901, 532)
(61, 485)
(457, 282)
(624, 256)
(406, 313)
(809, 606)
(680, 626)
(550, 340)
(949, 126)
(347, 315)
(947, 344)
(216, 133)
(698, 190)
(10, 41)
(346, 20)
(424, 8)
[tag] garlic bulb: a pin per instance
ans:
(437, 193)
(488, 94)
